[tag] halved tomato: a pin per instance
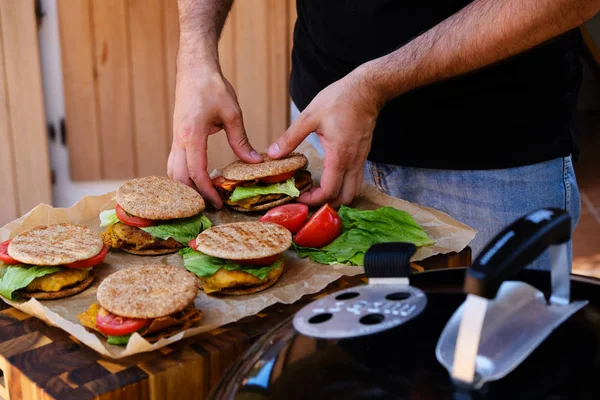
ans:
(291, 216)
(131, 220)
(278, 178)
(90, 262)
(113, 325)
(321, 229)
(259, 261)
(4, 257)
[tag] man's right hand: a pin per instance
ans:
(205, 103)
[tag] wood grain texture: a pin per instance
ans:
(9, 210)
(278, 77)
(113, 88)
(146, 23)
(22, 71)
(171, 14)
(81, 108)
(40, 361)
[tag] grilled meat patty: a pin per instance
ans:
(124, 236)
(302, 179)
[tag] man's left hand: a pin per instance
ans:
(343, 115)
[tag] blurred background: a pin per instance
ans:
(87, 93)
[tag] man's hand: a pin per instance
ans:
(343, 115)
(205, 103)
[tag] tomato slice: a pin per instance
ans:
(90, 262)
(226, 184)
(131, 220)
(113, 325)
(259, 261)
(321, 229)
(291, 216)
(192, 243)
(4, 257)
(278, 178)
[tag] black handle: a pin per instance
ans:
(515, 247)
(389, 260)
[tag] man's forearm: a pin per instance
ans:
(200, 26)
(484, 32)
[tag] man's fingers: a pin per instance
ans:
(196, 165)
(236, 136)
(177, 166)
(293, 136)
(330, 185)
(347, 191)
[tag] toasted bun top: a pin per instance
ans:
(55, 244)
(148, 291)
(241, 171)
(159, 198)
(244, 240)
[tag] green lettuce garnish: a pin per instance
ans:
(244, 192)
(17, 277)
(118, 340)
(363, 228)
(108, 218)
(204, 265)
(182, 230)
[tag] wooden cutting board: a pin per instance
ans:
(39, 361)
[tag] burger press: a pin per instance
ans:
(386, 302)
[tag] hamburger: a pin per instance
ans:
(50, 261)
(255, 187)
(154, 215)
(153, 301)
(238, 258)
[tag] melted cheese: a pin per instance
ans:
(57, 280)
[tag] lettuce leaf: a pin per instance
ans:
(244, 192)
(108, 218)
(204, 265)
(182, 230)
(118, 340)
(17, 277)
(363, 228)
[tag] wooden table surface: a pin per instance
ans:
(39, 361)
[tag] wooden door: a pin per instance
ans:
(119, 77)
(24, 159)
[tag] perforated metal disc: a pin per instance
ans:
(359, 311)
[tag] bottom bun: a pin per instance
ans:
(80, 287)
(150, 252)
(244, 290)
(268, 206)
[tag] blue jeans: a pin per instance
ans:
(486, 200)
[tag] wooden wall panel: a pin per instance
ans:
(22, 72)
(146, 23)
(81, 108)
(114, 100)
(129, 50)
(8, 187)
(171, 46)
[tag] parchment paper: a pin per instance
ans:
(301, 276)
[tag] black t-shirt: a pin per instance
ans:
(513, 113)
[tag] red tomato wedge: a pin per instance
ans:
(4, 257)
(278, 178)
(321, 229)
(131, 220)
(90, 262)
(192, 243)
(290, 216)
(113, 325)
(259, 261)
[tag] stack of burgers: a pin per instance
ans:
(154, 215)
(255, 187)
(154, 301)
(50, 261)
